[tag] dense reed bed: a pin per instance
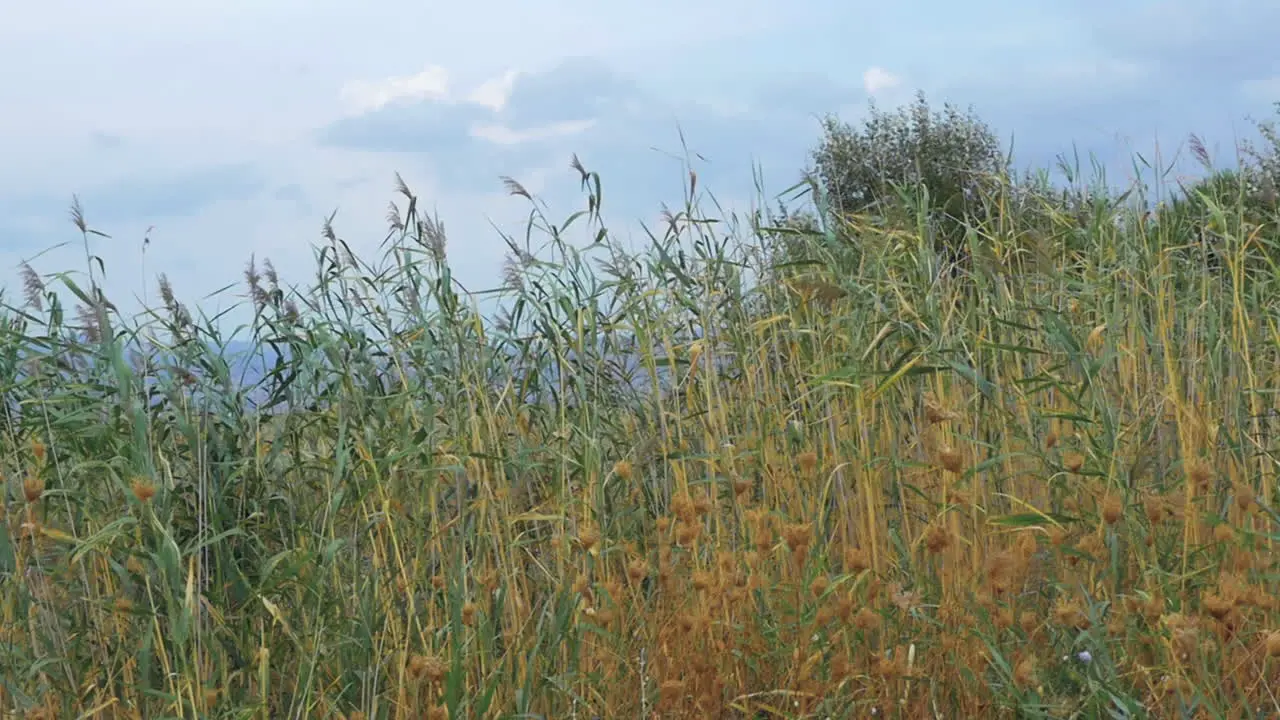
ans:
(766, 466)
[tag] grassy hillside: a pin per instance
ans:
(762, 469)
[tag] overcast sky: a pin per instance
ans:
(234, 127)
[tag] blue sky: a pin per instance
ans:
(234, 127)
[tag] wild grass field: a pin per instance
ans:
(814, 466)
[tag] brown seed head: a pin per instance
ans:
(432, 668)
(1217, 605)
(688, 532)
(1004, 618)
(937, 539)
(1027, 621)
(840, 669)
(904, 600)
(951, 459)
(1024, 673)
(1223, 533)
(1057, 535)
(612, 587)
(823, 616)
(682, 507)
(726, 561)
(1112, 509)
(671, 691)
(1115, 626)
(1153, 608)
(844, 607)
(856, 560)
(1153, 506)
(588, 538)
(32, 488)
(1067, 613)
(637, 569)
(1200, 475)
(702, 505)
(819, 585)
(701, 580)
(798, 536)
(686, 622)
(1092, 546)
(1272, 644)
(417, 666)
(1000, 569)
(143, 490)
(1073, 461)
(866, 619)
(622, 469)
(1244, 496)
(934, 412)
(1026, 547)
(807, 460)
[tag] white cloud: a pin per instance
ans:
(503, 135)
(877, 78)
(432, 84)
(493, 93)
(363, 96)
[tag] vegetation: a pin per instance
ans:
(950, 157)
(1041, 484)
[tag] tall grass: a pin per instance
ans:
(762, 468)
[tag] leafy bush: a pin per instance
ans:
(953, 156)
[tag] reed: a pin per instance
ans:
(756, 469)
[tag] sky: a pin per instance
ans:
(221, 130)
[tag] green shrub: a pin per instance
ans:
(953, 157)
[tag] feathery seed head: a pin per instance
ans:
(143, 489)
(622, 469)
(807, 461)
(1073, 461)
(1200, 475)
(32, 488)
(819, 585)
(1112, 509)
(1272, 644)
(951, 459)
(937, 538)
